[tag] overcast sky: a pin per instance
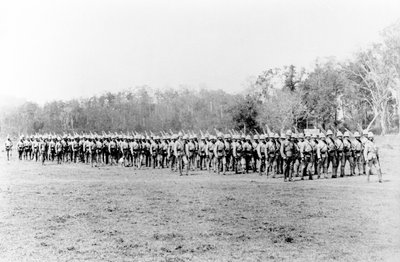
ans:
(64, 49)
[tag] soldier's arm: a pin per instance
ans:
(282, 151)
(366, 153)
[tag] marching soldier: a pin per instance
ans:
(371, 155)
(363, 140)
(261, 148)
(347, 153)
(339, 152)
(191, 149)
(306, 150)
(58, 148)
(332, 153)
(43, 147)
(322, 156)
(271, 153)
(356, 147)
(8, 147)
(287, 153)
(202, 152)
(179, 151)
(228, 151)
(247, 152)
(35, 148)
(210, 154)
(219, 153)
(20, 147)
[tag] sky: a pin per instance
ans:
(78, 48)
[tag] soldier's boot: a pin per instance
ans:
(334, 172)
(342, 171)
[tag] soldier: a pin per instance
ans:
(164, 152)
(154, 151)
(112, 148)
(287, 153)
(296, 156)
(124, 148)
(322, 156)
(270, 154)
(306, 150)
(87, 146)
(202, 152)
(82, 148)
(254, 157)
(314, 159)
(279, 161)
(179, 151)
(191, 149)
(261, 148)
(8, 147)
(356, 147)
(347, 153)
(332, 153)
(219, 153)
(99, 150)
(105, 150)
(171, 153)
(43, 147)
(58, 148)
(228, 151)
(35, 146)
(339, 152)
(210, 154)
(363, 140)
(371, 155)
(93, 151)
(247, 152)
(52, 147)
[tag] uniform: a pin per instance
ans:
(287, 153)
(371, 155)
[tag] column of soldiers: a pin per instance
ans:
(289, 154)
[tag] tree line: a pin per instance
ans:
(362, 92)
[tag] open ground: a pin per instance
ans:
(73, 212)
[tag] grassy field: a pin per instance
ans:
(78, 213)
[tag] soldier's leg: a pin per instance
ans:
(342, 162)
(285, 170)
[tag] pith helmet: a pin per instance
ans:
(356, 134)
(339, 134)
(365, 132)
(370, 134)
(329, 132)
(346, 134)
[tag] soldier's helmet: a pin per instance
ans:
(370, 134)
(243, 137)
(283, 136)
(339, 134)
(180, 134)
(365, 133)
(262, 137)
(329, 132)
(346, 134)
(301, 135)
(307, 135)
(276, 136)
(203, 138)
(248, 137)
(226, 136)
(219, 135)
(356, 134)
(322, 135)
(256, 137)
(294, 136)
(185, 137)
(288, 133)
